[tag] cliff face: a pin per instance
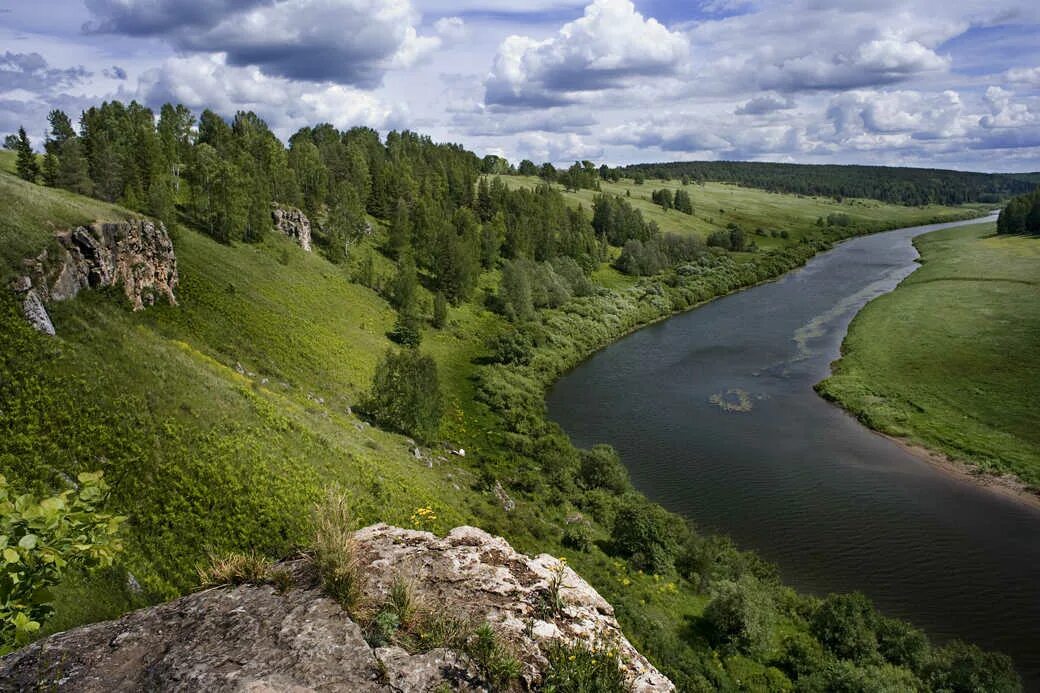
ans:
(293, 223)
(137, 255)
(253, 638)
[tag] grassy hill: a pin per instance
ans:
(716, 205)
(951, 358)
(219, 421)
(216, 421)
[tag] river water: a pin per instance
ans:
(834, 505)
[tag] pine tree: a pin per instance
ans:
(27, 166)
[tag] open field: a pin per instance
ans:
(715, 205)
(951, 359)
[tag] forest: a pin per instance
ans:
(906, 186)
(495, 291)
(1021, 215)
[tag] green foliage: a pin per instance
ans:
(963, 668)
(496, 663)
(741, 613)
(406, 394)
(28, 167)
(601, 468)
(844, 624)
(407, 331)
(645, 534)
(440, 311)
(581, 668)
(41, 541)
(1021, 215)
(905, 186)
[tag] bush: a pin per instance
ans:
(741, 613)
(41, 542)
(844, 624)
(645, 534)
(601, 468)
(406, 395)
(963, 668)
(577, 536)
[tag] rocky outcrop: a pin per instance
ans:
(254, 638)
(137, 255)
(293, 223)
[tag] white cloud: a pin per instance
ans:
(610, 44)
(1024, 75)
(209, 82)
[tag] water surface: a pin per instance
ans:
(836, 506)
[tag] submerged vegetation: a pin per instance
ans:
(219, 421)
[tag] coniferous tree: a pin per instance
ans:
(26, 165)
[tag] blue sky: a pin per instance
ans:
(929, 83)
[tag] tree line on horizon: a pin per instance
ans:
(904, 186)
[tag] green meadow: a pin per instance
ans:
(716, 205)
(951, 359)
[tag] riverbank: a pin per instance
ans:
(947, 364)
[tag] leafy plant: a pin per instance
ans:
(496, 663)
(40, 542)
(580, 668)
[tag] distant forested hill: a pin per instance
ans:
(907, 186)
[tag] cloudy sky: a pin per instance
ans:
(940, 83)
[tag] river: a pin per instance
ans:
(834, 505)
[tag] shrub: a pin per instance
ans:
(844, 624)
(741, 613)
(335, 551)
(645, 534)
(42, 541)
(962, 668)
(577, 536)
(406, 395)
(601, 468)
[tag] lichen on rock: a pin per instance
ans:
(136, 255)
(254, 638)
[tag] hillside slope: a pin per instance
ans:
(219, 421)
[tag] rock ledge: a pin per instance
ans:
(253, 638)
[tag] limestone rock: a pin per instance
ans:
(473, 573)
(252, 638)
(293, 223)
(137, 255)
(36, 313)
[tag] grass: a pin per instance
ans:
(219, 422)
(951, 359)
(716, 205)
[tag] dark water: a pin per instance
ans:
(836, 506)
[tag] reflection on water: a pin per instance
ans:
(836, 506)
